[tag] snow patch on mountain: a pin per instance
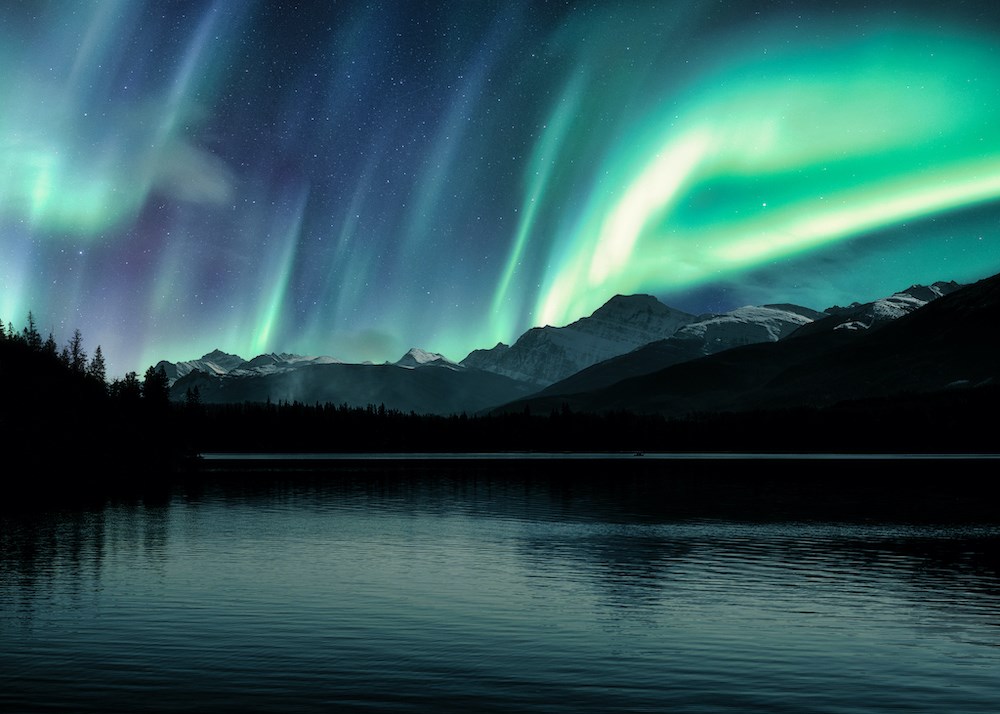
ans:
(544, 355)
(223, 364)
(864, 316)
(416, 358)
(215, 362)
(275, 363)
(747, 325)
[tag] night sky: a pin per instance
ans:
(356, 178)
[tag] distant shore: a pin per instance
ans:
(224, 459)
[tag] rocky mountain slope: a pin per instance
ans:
(708, 335)
(220, 363)
(950, 342)
(543, 355)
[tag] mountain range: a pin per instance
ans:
(635, 353)
(944, 343)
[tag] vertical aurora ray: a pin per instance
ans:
(283, 262)
(350, 263)
(540, 170)
(429, 187)
(14, 271)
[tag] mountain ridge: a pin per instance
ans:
(938, 345)
(543, 355)
(517, 375)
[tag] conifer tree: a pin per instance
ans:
(192, 398)
(156, 386)
(127, 390)
(77, 355)
(31, 336)
(50, 347)
(96, 369)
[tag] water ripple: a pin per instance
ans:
(481, 593)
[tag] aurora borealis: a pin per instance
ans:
(355, 178)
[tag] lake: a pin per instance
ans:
(510, 588)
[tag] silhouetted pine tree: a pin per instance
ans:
(50, 347)
(31, 336)
(96, 369)
(77, 355)
(156, 387)
(126, 391)
(192, 399)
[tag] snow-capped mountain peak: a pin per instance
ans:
(215, 362)
(747, 325)
(544, 355)
(864, 316)
(223, 364)
(416, 357)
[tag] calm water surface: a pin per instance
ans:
(445, 591)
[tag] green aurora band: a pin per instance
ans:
(783, 154)
(71, 165)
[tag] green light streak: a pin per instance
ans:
(272, 307)
(543, 161)
(78, 156)
(785, 155)
(809, 225)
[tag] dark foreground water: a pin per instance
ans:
(507, 590)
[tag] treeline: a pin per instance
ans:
(74, 427)
(959, 420)
(73, 356)
(297, 427)
(26, 350)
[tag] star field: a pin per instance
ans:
(355, 178)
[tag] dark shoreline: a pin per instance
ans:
(270, 461)
(732, 486)
(958, 488)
